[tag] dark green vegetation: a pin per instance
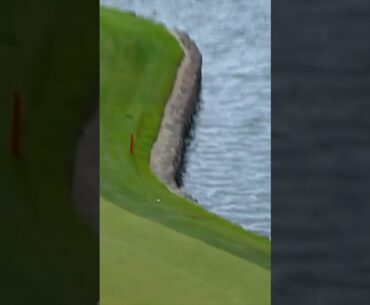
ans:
(48, 54)
(171, 251)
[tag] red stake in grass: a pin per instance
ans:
(132, 144)
(16, 128)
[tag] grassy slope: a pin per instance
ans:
(148, 263)
(50, 256)
(171, 252)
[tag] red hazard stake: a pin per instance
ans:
(16, 127)
(132, 144)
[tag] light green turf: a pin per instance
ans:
(48, 256)
(151, 264)
(172, 251)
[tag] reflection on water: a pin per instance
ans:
(228, 159)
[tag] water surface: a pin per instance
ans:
(228, 158)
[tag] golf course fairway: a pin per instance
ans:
(157, 248)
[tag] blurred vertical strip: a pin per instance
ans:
(49, 72)
(320, 152)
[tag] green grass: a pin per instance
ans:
(151, 264)
(172, 251)
(48, 255)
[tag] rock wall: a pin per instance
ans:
(166, 159)
(86, 184)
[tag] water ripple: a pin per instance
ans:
(228, 160)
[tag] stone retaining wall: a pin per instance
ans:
(166, 159)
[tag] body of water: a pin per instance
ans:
(228, 158)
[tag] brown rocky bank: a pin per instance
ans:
(166, 158)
